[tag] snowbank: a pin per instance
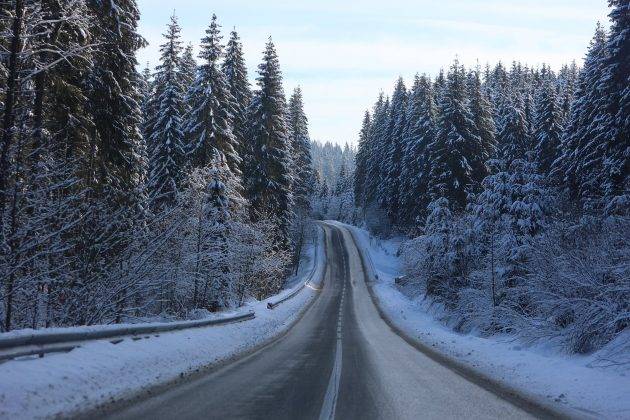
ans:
(578, 382)
(101, 372)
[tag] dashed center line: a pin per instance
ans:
(332, 392)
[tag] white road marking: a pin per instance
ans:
(330, 400)
(312, 287)
(332, 392)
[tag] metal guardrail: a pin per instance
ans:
(41, 343)
(274, 303)
(298, 289)
(58, 341)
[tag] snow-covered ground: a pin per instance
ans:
(101, 372)
(579, 382)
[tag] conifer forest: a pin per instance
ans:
(127, 193)
(187, 231)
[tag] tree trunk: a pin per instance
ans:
(494, 293)
(13, 244)
(8, 120)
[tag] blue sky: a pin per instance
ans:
(343, 53)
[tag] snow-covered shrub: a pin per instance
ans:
(578, 284)
(568, 285)
(376, 220)
(441, 260)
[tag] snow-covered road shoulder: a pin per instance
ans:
(571, 384)
(100, 373)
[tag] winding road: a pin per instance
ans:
(339, 361)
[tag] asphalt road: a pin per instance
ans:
(340, 361)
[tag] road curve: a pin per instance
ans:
(340, 361)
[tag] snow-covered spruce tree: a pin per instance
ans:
(376, 136)
(482, 110)
(607, 157)
(302, 186)
(439, 86)
(59, 170)
(348, 156)
(268, 176)
(321, 199)
(167, 139)
(328, 158)
(437, 248)
(567, 168)
(34, 36)
(361, 163)
(392, 159)
(218, 212)
(491, 212)
(44, 132)
(188, 67)
(419, 133)
(341, 199)
(529, 113)
(212, 200)
(456, 150)
(302, 170)
(513, 132)
(505, 220)
(118, 202)
(567, 84)
(496, 85)
(115, 97)
(187, 74)
(236, 76)
(147, 102)
(209, 123)
(548, 128)
(529, 207)
(531, 202)
(146, 88)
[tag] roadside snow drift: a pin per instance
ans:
(101, 372)
(578, 382)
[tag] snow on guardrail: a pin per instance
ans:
(27, 343)
(43, 342)
(274, 302)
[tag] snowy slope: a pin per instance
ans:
(571, 381)
(100, 372)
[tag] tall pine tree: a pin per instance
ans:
(394, 149)
(167, 138)
(302, 187)
(361, 162)
(457, 149)
(548, 129)
(378, 131)
(420, 132)
(187, 71)
(236, 77)
(612, 131)
(568, 167)
(481, 110)
(209, 124)
(268, 176)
